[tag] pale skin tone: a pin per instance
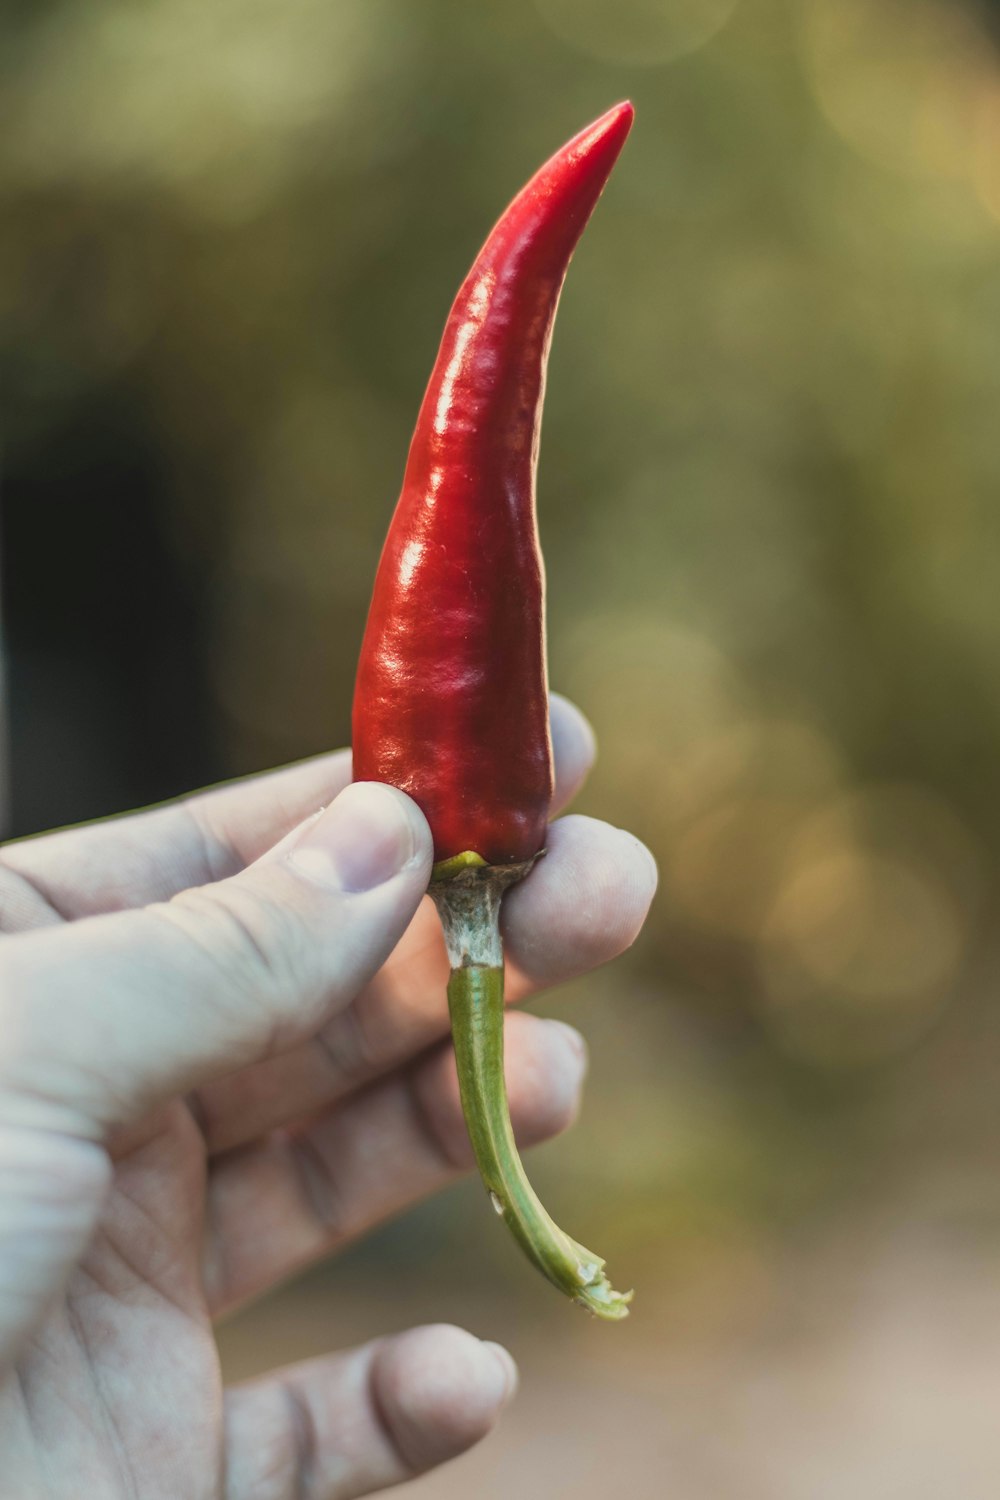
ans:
(223, 1053)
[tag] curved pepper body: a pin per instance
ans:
(451, 699)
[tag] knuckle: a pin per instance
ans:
(316, 1173)
(348, 1049)
(257, 946)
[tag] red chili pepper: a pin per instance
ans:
(451, 699)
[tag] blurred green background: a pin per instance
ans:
(768, 502)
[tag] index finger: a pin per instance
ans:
(148, 856)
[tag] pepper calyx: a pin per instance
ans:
(457, 864)
(472, 867)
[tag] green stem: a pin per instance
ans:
(469, 904)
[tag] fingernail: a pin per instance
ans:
(572, 1039)
(508, 1369)
(643, 856)
(362, 840)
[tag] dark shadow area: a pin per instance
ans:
(104, 626)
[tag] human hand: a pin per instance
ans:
(223, 1053)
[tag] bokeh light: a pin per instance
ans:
(898, 79)
(858, 952)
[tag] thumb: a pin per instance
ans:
(107, 1016)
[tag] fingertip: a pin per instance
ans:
(574, 747)
(617, 881)
(440, 1390)
(368, 835)
(638, 863)
(511, 1374)
(583, 904)
(546, 1068)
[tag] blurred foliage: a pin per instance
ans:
(768, 498)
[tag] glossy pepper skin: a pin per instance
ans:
(451, 697)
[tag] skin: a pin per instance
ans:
(223, 1055)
